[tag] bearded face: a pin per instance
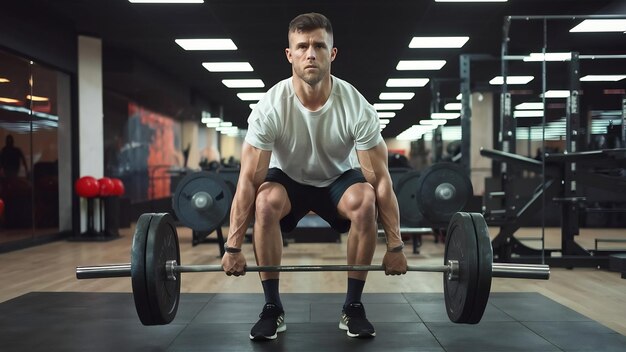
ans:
(310, 55)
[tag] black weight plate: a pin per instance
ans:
(485, 267)
(161, 247)
(138, 270)
(432, 205)
(408, 198)
(202, 219)
(460, 294)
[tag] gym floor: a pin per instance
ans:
(45, 307)
(221, 322)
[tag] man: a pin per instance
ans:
(11, 157)
(297, 158)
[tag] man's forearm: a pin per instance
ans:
(241, 213)
(389, 215)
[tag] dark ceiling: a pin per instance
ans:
(371, 37)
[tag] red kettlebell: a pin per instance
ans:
(87, 187)
(118, 187)
(106, 187)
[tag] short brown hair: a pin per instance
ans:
(310, 21)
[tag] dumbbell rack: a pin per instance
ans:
(91, 234)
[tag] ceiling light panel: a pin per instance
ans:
(437, 42)
(415, 132)
(417, 65)
(8, 100)
(448, 133)
(396, 96)
(36, 98)
(250, 96)
(243, 83)
(206, 44)
(445, 115)
(228, 66)
(388, 106)
(433, 122)
(598, 25)
(511, 80)
(556, 94)
(386, 114)
(530, 106)
(548, 57)
(211, 120)
(166, 1)
(406, 82)
(452, 106)
(471, 0)
(602, 78)
(527, 113)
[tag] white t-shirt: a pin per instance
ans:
(313, 147)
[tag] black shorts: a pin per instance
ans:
(321, 200)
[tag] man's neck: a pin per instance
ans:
(313, 97)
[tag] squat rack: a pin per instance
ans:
(566, 170)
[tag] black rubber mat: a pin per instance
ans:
(86, 322)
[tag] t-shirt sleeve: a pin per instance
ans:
(261, 132)
(367, 130)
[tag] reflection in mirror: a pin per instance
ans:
(44, 150)
(15, 156)
(29, 154)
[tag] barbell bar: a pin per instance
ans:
(502, 270)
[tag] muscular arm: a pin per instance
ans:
(254, 165)
(374, 166)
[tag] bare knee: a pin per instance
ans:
(270, 205)
(358, 204)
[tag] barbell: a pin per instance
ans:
(156, 273)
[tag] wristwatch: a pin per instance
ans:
(396, 249)
(231, 249)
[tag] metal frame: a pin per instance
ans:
(466, 110)
(564, 181)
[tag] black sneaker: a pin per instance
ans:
(355, 323)
(272, 321)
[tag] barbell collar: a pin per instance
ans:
(453, 273)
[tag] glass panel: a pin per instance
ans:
(16, 188)
(45, 173)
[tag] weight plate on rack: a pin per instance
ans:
(202, 201)
(408, 199)
(443, 189)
